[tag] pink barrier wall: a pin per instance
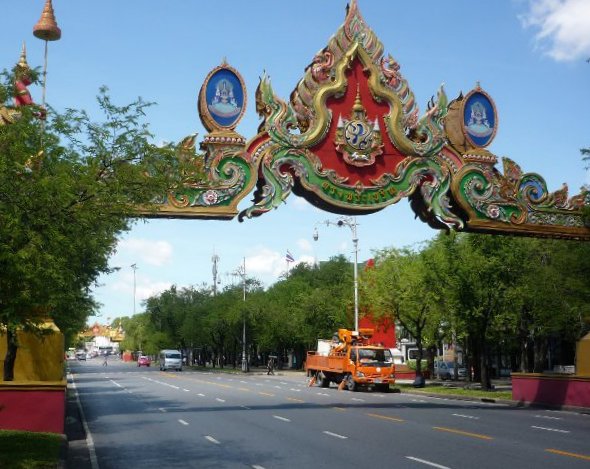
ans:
(33, 407)
(555, 390)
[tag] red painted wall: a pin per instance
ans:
(32, 410)
(551, 390)
(384, 331)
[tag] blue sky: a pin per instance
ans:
(530, 56)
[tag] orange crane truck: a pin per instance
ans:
(350, 361)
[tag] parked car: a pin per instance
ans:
(446, 370)
(144, 361)
(81, 355)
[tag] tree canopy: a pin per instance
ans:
(68, 188)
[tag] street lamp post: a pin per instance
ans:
(241, 271)
(134, 267)
(350, 222)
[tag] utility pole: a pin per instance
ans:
(350, 222)
(244, 359)
(215, 260)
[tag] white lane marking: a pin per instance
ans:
(466, 416)
(89, 439)
(322, 394)
(212, 440)
(336, 435)
(357, 399)
(284, 383)
(115, 383)
(296, 390)
(161, 409)
(219, 400)
(243, 382)
(550, 429)
(428, 463)
(183, 422)
(256, 466)
(201, 394)
(278, 387)
(284, 419)
(258, 384)
(245, 407)
(186, 390)
(547, 417)
(418, 400)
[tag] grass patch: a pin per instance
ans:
(29, 450)
(443, 390)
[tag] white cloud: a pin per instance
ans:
(304, 245)
(265, 262)
(157, 253)
(563, 27)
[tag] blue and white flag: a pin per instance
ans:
(289, 257)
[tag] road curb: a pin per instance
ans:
(490, 400)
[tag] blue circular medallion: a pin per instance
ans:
(223, 98)
(479, 118)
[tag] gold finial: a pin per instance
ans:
(22, 62)
(46, 28)
(358, 105)
(22, 67)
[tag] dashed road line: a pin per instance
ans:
(357, 399)
(428, 463)
(212, 440)
(547, 417)
(386, 417)
(294, 399)
(266, 394)
(201, 394)
(282, 419)
(161, 409)
(184, 422)
(466, 416)
(219, 400)
(460, 432)
(550, 429)
(567, 453)
(335, 435)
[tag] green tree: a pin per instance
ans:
(68, 189)
(398, 288)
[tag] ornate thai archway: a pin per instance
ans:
(350, 140)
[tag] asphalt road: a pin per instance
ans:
(144, 418)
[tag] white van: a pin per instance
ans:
(170, 359)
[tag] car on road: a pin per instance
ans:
(144, 361)
(81, 355)
(446, 370)
(170, 360)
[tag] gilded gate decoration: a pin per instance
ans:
(351, 140)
